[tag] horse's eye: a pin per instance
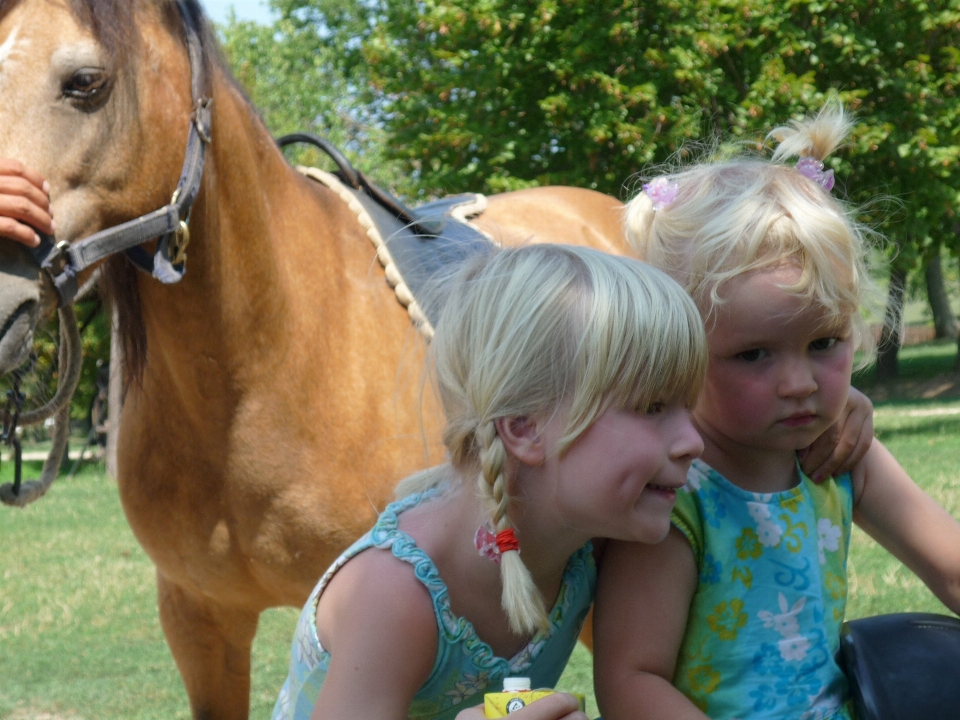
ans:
(85, 84)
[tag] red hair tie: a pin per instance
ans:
(507, 541)
(493, 546)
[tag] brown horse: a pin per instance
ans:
(273, 395)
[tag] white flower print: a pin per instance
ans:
(769, 533)
(468, 685)
(695, 478)
(460, 692)
(794, 648)
(828, 538)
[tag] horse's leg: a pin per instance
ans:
(211, 646)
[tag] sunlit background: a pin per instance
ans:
(257, 10)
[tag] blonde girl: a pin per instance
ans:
(737, 613)
(565, 376)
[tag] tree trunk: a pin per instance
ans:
(944, 322)
(115, 395)
(891, 332)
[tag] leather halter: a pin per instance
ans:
(63, 261)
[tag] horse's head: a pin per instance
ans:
(96, 97)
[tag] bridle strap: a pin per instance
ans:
(65, 261)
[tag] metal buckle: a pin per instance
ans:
(178, 243)
(57, 260)
(201, 118)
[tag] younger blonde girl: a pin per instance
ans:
(565, 376)
(737, 613)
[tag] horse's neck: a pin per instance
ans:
(235, 296)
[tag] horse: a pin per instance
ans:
(273, 395)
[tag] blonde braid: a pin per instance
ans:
(521, 599)
(492, 458)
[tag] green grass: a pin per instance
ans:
(79, 633)
(924, 437)
(80, 638)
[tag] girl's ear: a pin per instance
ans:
(522, 439)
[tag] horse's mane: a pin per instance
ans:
(113, 23)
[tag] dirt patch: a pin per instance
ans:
(38, 715)
(938, 387)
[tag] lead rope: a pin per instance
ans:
(18, 493)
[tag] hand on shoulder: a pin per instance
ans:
(24, 203)
(844, 444)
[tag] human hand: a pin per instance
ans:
(24, 203)
(843, 444)
(559, 706)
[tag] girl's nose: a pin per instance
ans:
(796, 379)
(686, 442)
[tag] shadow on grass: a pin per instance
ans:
(927, 374)
(923, 426)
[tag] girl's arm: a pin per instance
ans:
(24, 203)
(377, 622)
(900, 516)
(640, 616)
(845, 443)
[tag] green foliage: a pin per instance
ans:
(502, 94)
(438, 96)
(40, 383)
(289, 73)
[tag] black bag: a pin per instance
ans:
(904, 666)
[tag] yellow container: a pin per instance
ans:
(501, 704)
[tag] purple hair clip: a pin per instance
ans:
(811, 168)
(661, 192)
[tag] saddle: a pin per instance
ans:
(904, 666)
(415, 246)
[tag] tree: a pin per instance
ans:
(289, 73)
(505, 93)
(502, 94)
(944, 321)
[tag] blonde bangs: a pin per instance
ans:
(643, 343)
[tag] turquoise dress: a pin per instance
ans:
(465, 667)
(764, 624)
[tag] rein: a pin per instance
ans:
(62, 263)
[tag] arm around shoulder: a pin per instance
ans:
(640, 618)
(899, 515)
(377, 622)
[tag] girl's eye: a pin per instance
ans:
(752, 355)
(655, 408)
(823, 343)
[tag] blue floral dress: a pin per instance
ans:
(764, 626)
(465, 667)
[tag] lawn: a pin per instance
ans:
(80, 638)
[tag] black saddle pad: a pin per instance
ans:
(904, 666)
